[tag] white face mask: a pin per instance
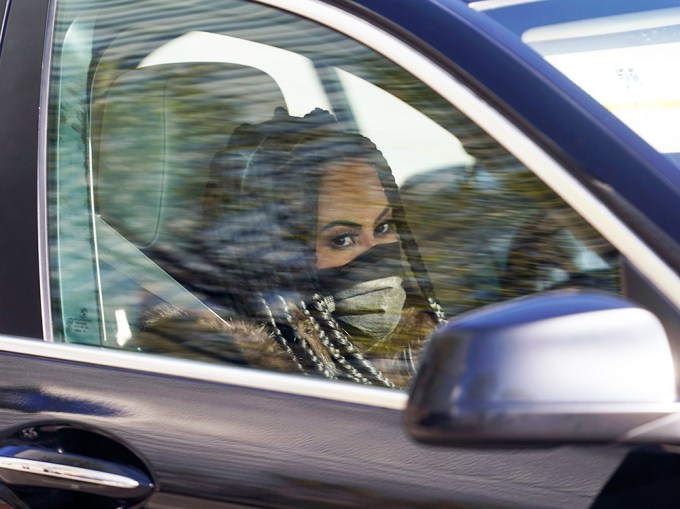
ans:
(372, 308)
(368, 294)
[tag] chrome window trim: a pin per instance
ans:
(557, 177)
(3, 21)
(300, 385)
(43, 236)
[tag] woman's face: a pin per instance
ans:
(353, 215)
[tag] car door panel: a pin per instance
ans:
(243, 445)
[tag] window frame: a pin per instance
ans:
(21, 66)
(442, 81)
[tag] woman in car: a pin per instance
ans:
(311, 259)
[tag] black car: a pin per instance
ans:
(186, 185)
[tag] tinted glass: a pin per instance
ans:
(231, 183)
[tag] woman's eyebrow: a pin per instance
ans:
(383, 214)
(350, 224)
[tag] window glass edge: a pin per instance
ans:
(43, 123)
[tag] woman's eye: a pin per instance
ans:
(384, 228)
(342, 241)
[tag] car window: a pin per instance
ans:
(234, 184)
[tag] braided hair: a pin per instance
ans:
(262, 238)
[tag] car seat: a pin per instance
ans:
(156, 131)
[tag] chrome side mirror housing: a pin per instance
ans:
(560, 367)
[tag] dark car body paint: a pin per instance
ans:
(249, 446)
(20, 68)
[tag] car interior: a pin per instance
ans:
(152, 130)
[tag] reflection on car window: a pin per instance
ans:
(233, 184)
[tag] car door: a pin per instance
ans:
(118, 122)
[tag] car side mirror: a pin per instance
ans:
(560, 367)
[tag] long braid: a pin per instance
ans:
(345, 344)
(352, 372)
(409, 244)
(280, 338)
(318, 363)
(271, 277)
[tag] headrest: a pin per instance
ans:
(160, 127)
